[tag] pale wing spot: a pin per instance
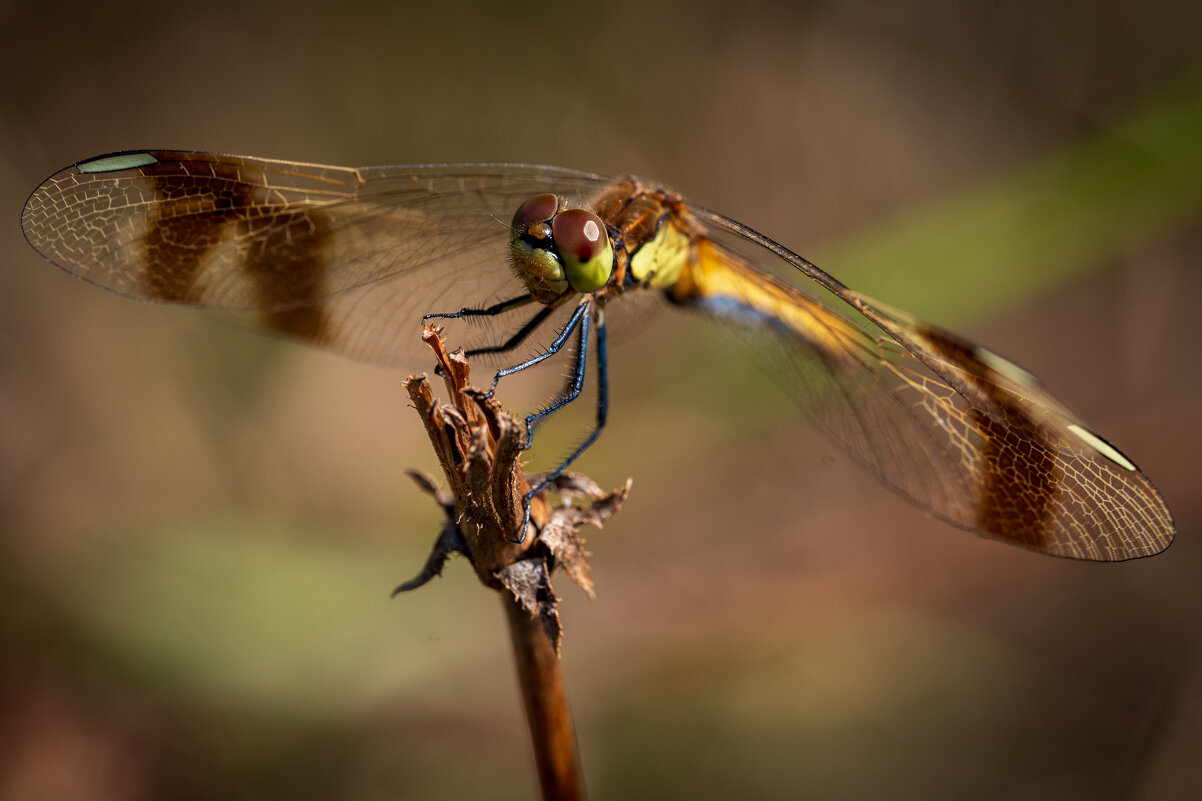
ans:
(1006, 367)
(123, 161)
(1101, 446)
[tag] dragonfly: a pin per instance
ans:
(355, 259)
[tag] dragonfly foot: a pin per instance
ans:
(525, 521)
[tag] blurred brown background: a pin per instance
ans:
(200, 525)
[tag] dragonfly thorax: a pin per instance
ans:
(558, 250)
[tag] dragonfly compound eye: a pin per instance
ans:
(532, 249)
(538, 209)
(584, 249)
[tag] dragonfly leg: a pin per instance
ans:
(488, 311)
(493, 311)
(575, 383)
(517, 338)
(602, 412)
(568, 328)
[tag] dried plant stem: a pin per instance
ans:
(547, 713)
(479, 448)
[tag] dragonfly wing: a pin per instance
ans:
(346, 258)
(951, 426)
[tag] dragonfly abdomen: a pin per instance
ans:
(718, 283)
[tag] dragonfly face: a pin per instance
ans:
(558, 250)
(354, 259)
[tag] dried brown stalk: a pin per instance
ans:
(479, 448)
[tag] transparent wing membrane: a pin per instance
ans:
(351, 259)
(948, 425)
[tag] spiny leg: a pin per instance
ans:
(488, 311)
(570, 326)
(493, 311)
(575, 383)
(602, 411)
(518, 338)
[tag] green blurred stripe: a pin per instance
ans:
(1013, 238)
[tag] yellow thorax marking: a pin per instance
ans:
(658, 263)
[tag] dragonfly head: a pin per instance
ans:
(558, 250)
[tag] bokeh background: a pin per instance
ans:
(200, 525)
